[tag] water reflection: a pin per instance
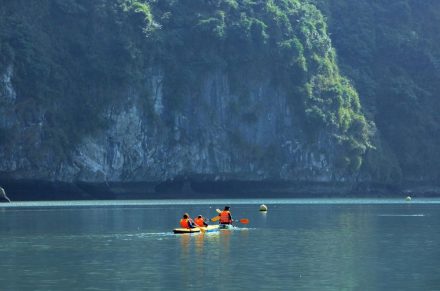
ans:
(263, 218)
(185, 240)
(296, 247)
(199, 243)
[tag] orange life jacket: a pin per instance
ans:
(225, 217)
(199, 221)
(184, 222)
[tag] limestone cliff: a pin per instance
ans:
(118, 91)
(212, 135)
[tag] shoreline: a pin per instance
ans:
(39, 190)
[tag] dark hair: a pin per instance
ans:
(199, 216)
(227, 207)
(185, 215)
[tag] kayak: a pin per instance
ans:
(209, 228)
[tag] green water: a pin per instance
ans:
(297, 245)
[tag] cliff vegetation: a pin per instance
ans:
(359, 80)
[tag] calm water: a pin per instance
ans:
(297, 245)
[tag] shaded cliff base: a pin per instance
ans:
(33, 190)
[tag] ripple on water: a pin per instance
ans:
(402, 215)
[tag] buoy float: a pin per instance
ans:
(408, 198)
(263, 207)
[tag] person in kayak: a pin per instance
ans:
(187, 222)
(200, 221)
(225, 216)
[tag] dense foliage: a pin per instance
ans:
(70, 57)
(391, 51)
(285, 40)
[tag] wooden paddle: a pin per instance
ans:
(216, 218)
(202, 228)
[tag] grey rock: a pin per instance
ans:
(215, 133)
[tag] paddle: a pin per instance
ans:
(196, 226)
(243, 220)
(216, 218)
(202, 228)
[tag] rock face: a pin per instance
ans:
(215, 134)
(244, 93)
(8, 118)
(3, 196)
(166, 95)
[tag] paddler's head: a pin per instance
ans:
(199, 216)
(185, 215)
(227, 207)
